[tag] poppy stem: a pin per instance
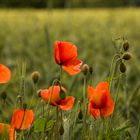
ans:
(84, 103)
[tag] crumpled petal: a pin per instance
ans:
(67, 103)
(72, 67)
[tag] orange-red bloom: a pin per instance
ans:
(100, 101)
(22, 119)
(5, 74)
(54, 94)
(7, 132)
(65, 54)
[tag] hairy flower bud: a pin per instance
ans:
(24, 106)
(3, 95)
(35, 77)
(38, 93)
(61, 130)
(127, 56)
(62, 95)
(85, 69)
(122, 67)
(90, 70)
(125, 45)
(80, 115)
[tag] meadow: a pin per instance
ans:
(27, 39)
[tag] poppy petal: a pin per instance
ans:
(72, 67)
(5, 74)
(108, 110)
(6, 128)
(22, 119)
(64, 51)
(90, 91)
(95, 112)
(67, 103)
(55, 97)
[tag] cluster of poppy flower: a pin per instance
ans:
(65, 53)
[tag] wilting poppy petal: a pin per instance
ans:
(5, 74)
(64, 51)
(95, 112)
(100, 98)
(67, 103)
(22, 119)
(5, 129)
(72, 67)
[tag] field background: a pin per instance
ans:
(28, 35)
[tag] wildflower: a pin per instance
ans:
(52, 96)
(100, 101)
(65, 54)
(7, 132)
(22, 119)
(5, 74)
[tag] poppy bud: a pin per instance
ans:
(38, 93)
(85, 69)
(122, 67)
(61, 130)
(127, 56)
(35, 77)
(80, 115)
(62, 95)
(24, 106)
(90, 70)
(126, 45)
(3, 95)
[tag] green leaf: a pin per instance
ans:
(50, 125)
(39, 125)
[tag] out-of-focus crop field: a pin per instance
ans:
(29, 36)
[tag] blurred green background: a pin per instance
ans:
(28, 33)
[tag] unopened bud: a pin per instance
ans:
(3, 95)
(90, 70)
(24, 106)
(62, 95)
(61, 130)
(85, 69)
(35, 77)
(122, 67)
(127, 56)
(39, 93)
(126, 45)
(80, 115)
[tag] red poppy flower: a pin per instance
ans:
(7, 131)
(54, 94)
(65, 54)
(5, 74)
(22, 119)
(100, 101)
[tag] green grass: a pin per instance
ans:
(29, 35)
